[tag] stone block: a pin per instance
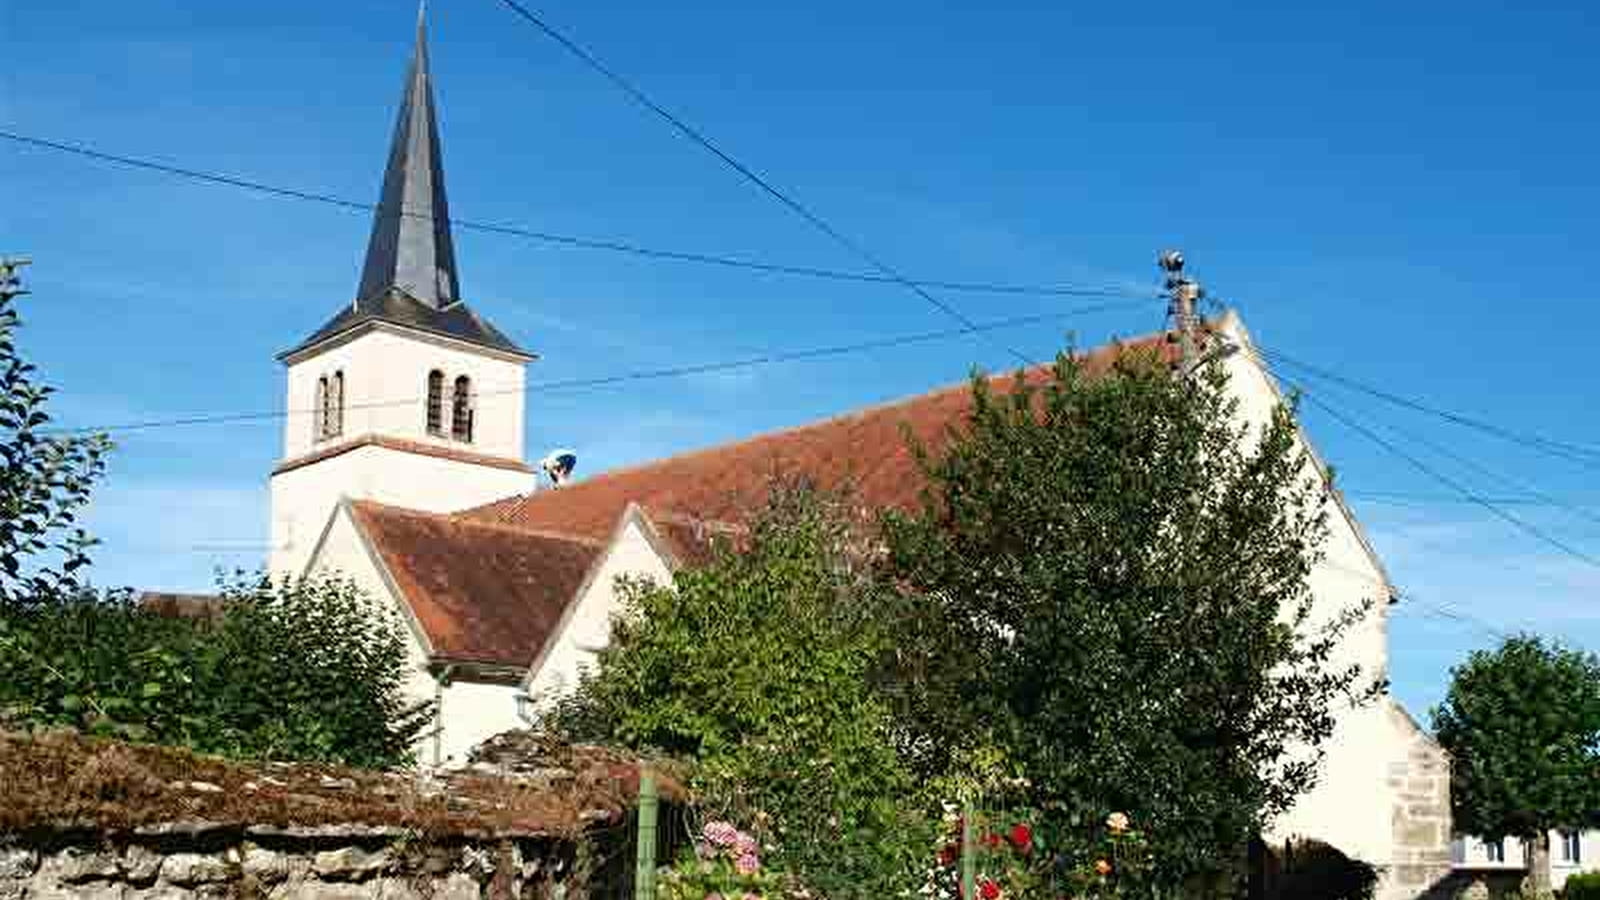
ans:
(313, 889)
(403, 889)
(1420, 835)
(75, 866)
(16, 869)
(264, 866)
(189, 869)
(141, 864)
(351, 863)
(459, 886)
(89, 890)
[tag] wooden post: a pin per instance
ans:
(644, 878)
(969, 854)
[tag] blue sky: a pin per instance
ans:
(1402, 192)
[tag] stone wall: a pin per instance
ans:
(326, 863)
(1419, 783)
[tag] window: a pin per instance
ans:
(1458, 851)
(328, 415)
(336, 421)
(436, 403)
(461, 410)
(1495, 850)
(1571, 847)
(319, 413)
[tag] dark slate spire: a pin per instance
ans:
(410, 247)
(409, 277)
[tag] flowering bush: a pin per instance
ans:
(724, 865)
(1019, 856)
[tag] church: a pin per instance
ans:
(410, 478)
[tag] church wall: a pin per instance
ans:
(386, 388)
(1352, 806)
(587, 627)
(303, 498)
(469, 712)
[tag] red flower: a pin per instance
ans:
(1022, 837)
(991, 840)
(989, 890)
(948, 854)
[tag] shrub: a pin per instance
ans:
(1313, 870)
(1582, 886)
(307, 670)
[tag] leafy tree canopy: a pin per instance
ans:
(1110, 583)
(308, 670)
(1522, 724)
(45, 478)
(761, 668)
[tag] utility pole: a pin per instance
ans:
(1182, 294)
(11, 276)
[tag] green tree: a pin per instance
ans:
(1522, 724)
(45, 479)
(760, 668)
(1108, 579)
(309, 670)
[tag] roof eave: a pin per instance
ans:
(356, 328)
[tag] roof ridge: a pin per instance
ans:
(455, 519)
(858, 412)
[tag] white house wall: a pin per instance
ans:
(587, 626)
(469, 712)
(1353, 805)
(1472, 853)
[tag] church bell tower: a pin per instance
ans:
(406, 396)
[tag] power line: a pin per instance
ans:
(1465, 491)
(1528, 492)
(1411, 497)
(629, 377)
(1576, 453)
(693, 134)
(734, 262)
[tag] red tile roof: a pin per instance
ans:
(489, 584)
(481, 592)
(865, 450)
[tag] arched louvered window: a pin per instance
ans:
(319, 413)
(436, 403)
(336, 421)
(461, 410)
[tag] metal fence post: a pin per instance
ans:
(644, 880)
(969, 855)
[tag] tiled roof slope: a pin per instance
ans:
(865, 450)
(482, 592)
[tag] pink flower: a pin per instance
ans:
(746, 864)
(713, 896)
(720, 834)
(744, 844)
